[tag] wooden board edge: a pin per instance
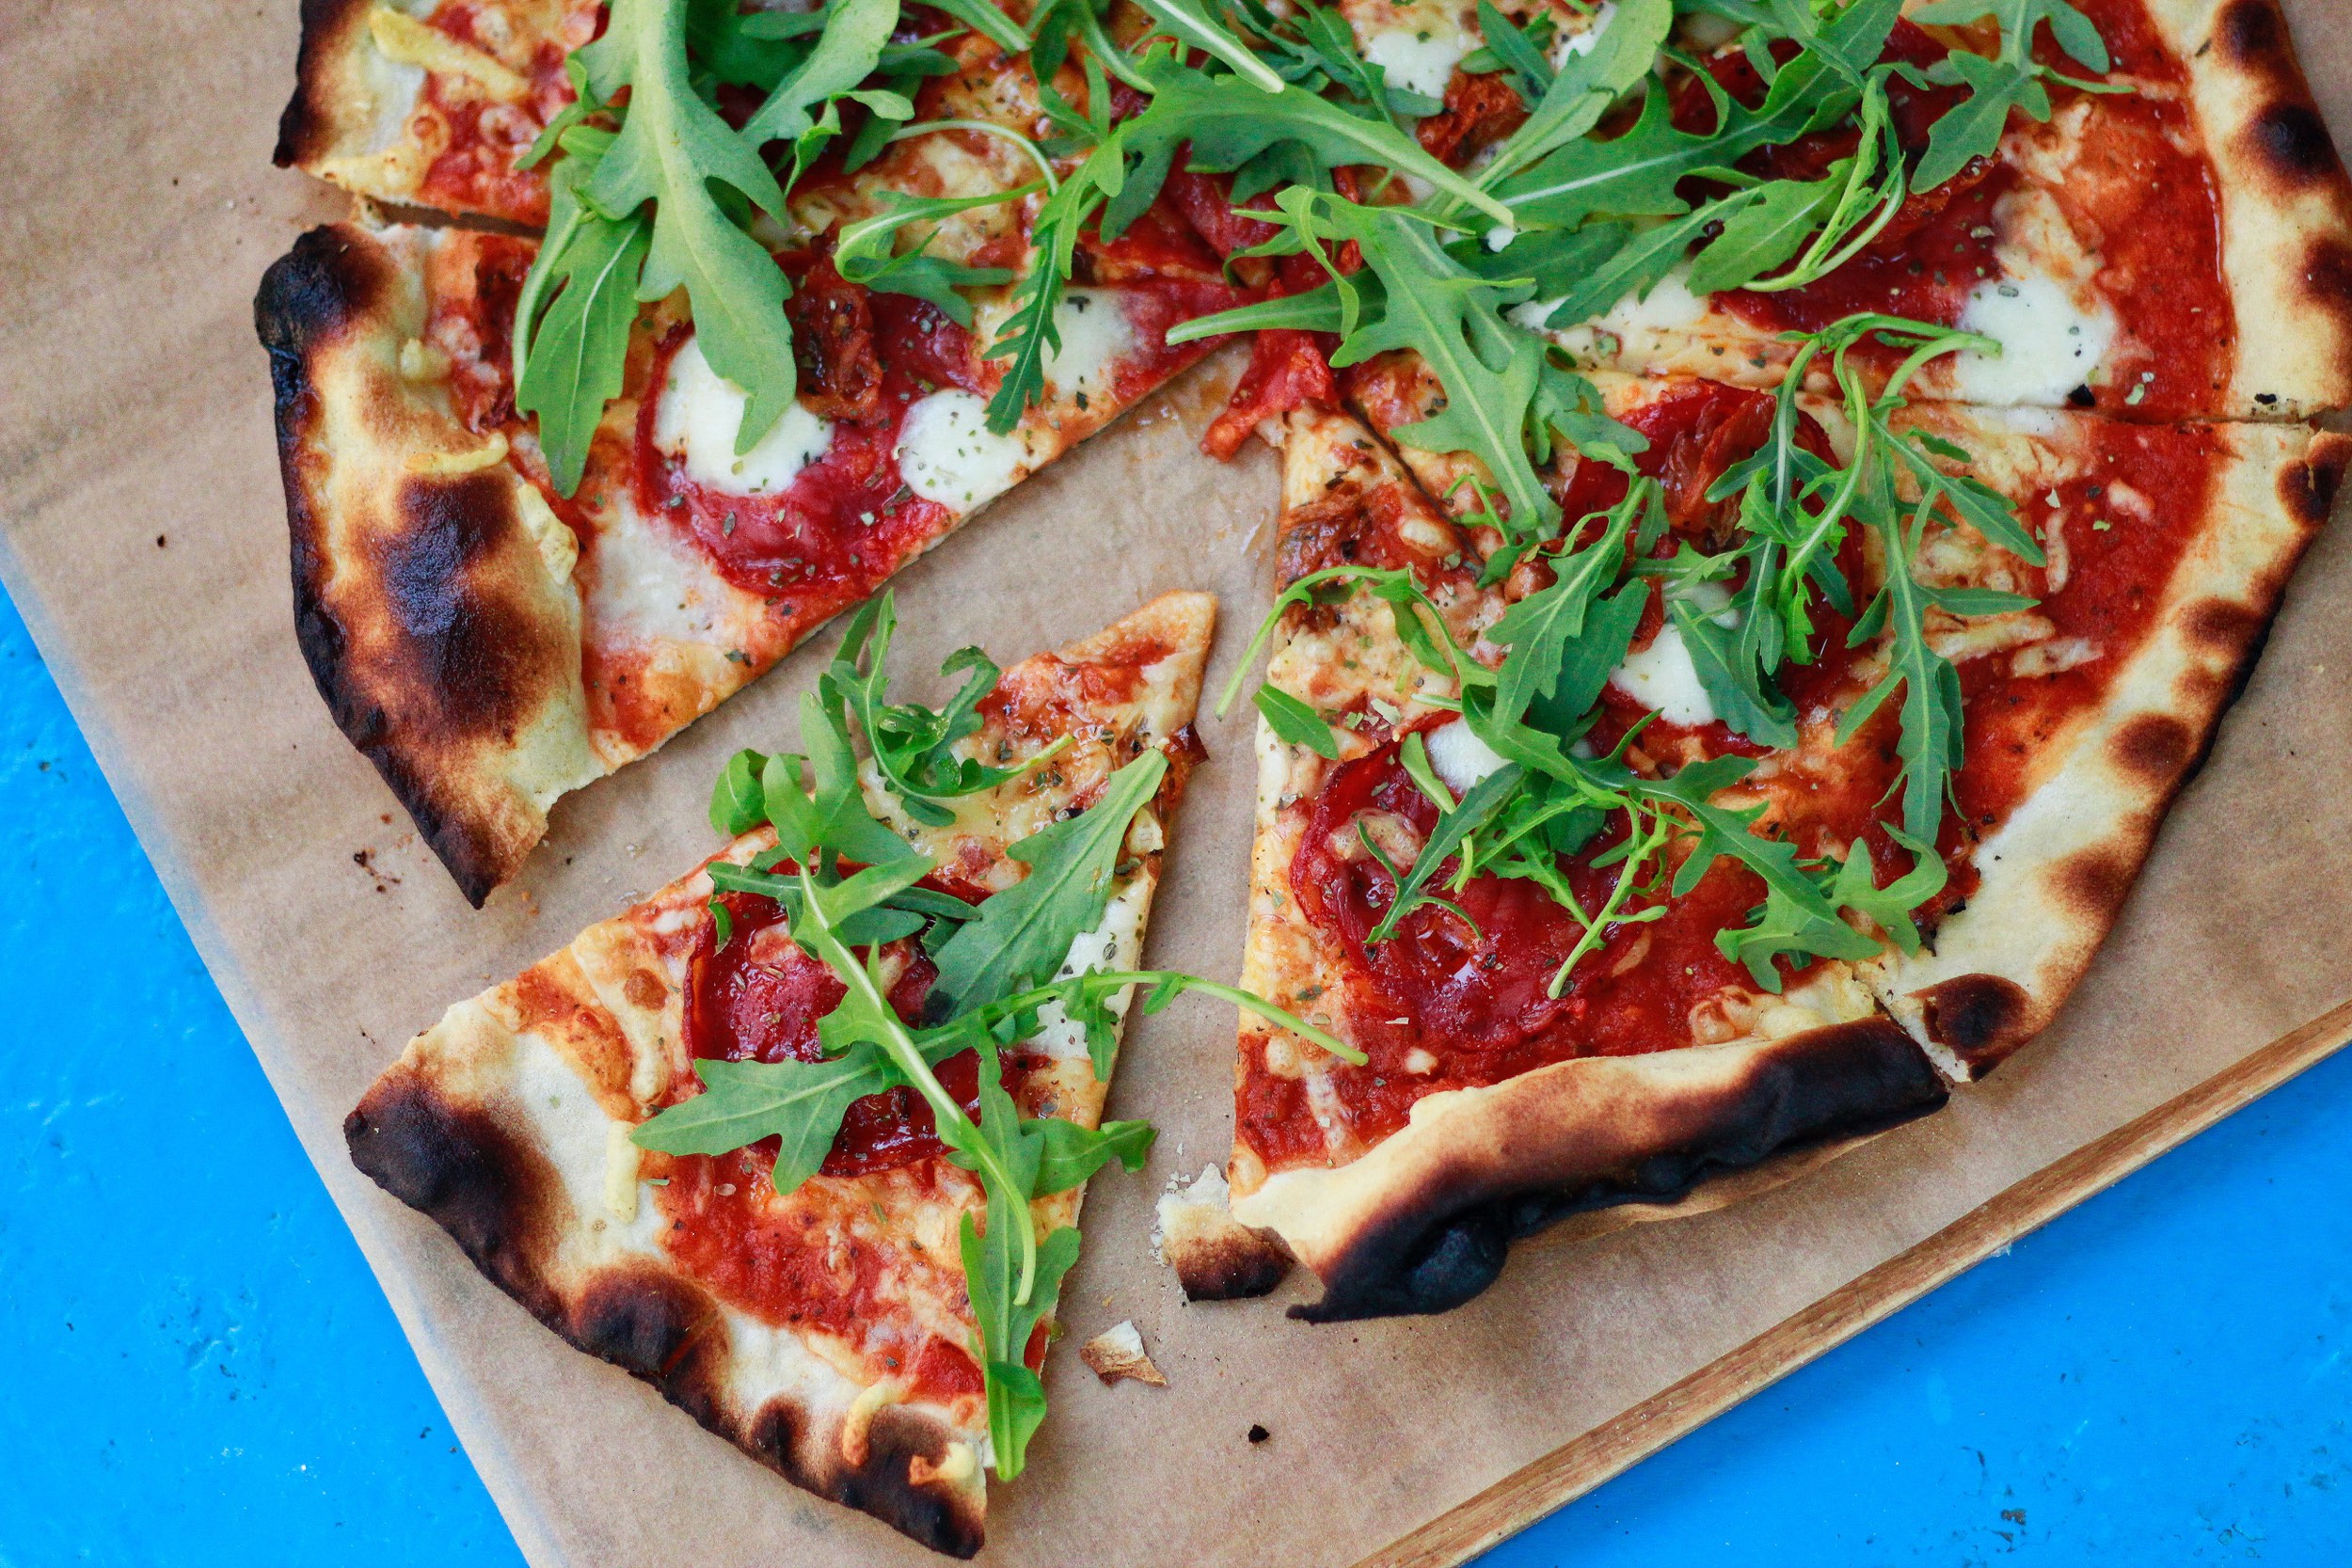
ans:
(1569, 1471)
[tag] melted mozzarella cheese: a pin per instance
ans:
(1582, 42)
(1095, 335)
(1669, 305)
(1461, 759)
(947, 453)
(2049, 344)
(1661, 676)
(1116, 943)
(1419, 60)
(699, 416)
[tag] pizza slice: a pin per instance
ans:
(1799, 776)
(802, 1143)
(433, 102)
(2137, 208)
(492, 642)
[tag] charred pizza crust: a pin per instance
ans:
(507, 1123)
(483, 687)
(2054, 874)
(1420, 1219)
(433, 585)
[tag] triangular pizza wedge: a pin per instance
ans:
(492, 642)
(828, 1329)
(1734, 956)
(497, 614)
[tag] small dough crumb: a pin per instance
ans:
(1118, 1352)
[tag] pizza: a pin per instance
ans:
(2061, 354)
(1776, 501)
(800, 1286)
(503, 600)
(433, 106)
(1614, 999)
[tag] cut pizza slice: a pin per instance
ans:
(433, 102)
(492, 642)
(803, 1148)
(2170, 237)
(1801, 777)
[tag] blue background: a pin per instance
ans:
(202, 1371)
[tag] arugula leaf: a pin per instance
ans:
(1783, 929)
(1490, 372)
(1189, 23)
(846, 51)
(1635, 174)
(1295, 724)
(1762, 228)
(1739, 690)
(1931, 743)
(1541, 629)
(827, 811)
(913, 746)
(1024, 933)
(1007, 1317)
(863, 255)
(1591, 79)
(672, 147)
(1726, 833)
(799, 1103)
(1477, 807)
(1068, 1153)
(573, 318)
(739, 802)
(2012, 79)
(986, 20)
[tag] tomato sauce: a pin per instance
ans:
(757, 998)
(476, 170)
(2144, 207)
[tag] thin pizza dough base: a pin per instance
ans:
(507, 1123)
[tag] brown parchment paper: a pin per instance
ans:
(142, 534)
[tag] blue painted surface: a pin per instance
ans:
(202, 1372)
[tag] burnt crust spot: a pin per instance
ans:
(1446, 1240)
(2154, 747)
(2094, 883)
(305, 126)
(884, 1486)
(2252, 33)
(2291, 140)
(482, 656)
(640, 1320)
(2223, 627)
(454, 1163)
(1236, 1264)
(2309, 488)
(1978, 1018)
